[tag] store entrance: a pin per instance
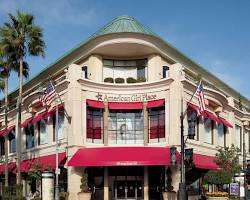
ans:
(128, 189)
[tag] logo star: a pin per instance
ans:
(99, 96)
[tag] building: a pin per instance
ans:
(122, 92)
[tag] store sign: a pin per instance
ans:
(126, 98)
(127, 163)
(234, 189)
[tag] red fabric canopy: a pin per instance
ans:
(2, 132)
(194, 107)
(156, 103)
(212, 117)
(26, 122)
(126, 105)
(225, 122)
(120, 156)
(11, 166)
(205, 162)
(42, 163)
(95, 104)
(38, 117)
(53, 110)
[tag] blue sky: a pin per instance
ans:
(215, 34)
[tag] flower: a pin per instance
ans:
(217, 194)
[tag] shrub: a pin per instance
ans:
(131, 80)
(109, 80)
(84, 182)
(141, 79)
(119, 80)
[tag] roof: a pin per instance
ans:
(123, 24)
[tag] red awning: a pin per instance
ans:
(2, 132)
(205, 162)
(53, 110)
(42, 163)
(120, 156)
(225, 122)
(212, 117)
(38, 117)
(156, 103)
(10, 167)
(192, 106)
(26, 122)
(95, 104)
(125, 105)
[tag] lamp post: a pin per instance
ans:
(245, 123)
(182, 185)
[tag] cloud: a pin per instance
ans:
(52, 12)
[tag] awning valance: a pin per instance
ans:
(11, 166)
(53, 110)
(2, 132)
(205, 162)
(95, 104)
(120, 156)
(125, 105)
(39, 117)
(212, 117)
(26, 122)
(43, 163)
(225, 122)
(156, 103)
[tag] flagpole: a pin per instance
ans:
(57, 170)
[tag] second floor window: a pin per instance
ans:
(208, 131)
(12, 140)
(84, 72)
(238, 136)
(43, 131)
(156, 123)
(2, 149)
(221, 130)
(94, 124)
(61, 120)
(30, 136)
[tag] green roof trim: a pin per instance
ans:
(123, 24)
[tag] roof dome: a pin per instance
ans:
(123, 24)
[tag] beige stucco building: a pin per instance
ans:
(122, 92)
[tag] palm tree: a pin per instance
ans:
(8, 63)
(26, 38)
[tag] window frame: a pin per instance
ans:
(28, 127)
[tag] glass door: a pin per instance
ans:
(128, 190)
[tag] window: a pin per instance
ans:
(165, 71)
(208, 130)
(156, 124)
(125, 127)
(247, 141)
(12, 140)
(124, 68)
(220, 139)
(61, 117)
(94, 124)
(43, 131)
(238, 136)
(193, 118)
(30, 136)
(2, 141)
(84, 72)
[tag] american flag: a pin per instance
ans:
(200, 96)
(49, 95)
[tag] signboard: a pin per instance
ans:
(234, 189)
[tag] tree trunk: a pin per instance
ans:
(6, 132)
(19, 117)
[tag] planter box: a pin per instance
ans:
(217, 198)
(169, 196)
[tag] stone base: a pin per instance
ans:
(169, 195)
(84, 196)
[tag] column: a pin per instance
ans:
(145, 122)
(74, 182)
(146, 196)
(105, 123)
(106, 184)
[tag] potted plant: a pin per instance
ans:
(85, 193)
(109, 80)
(119, 80)
(141, 79)
(131, 80)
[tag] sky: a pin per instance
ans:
(213, 33)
